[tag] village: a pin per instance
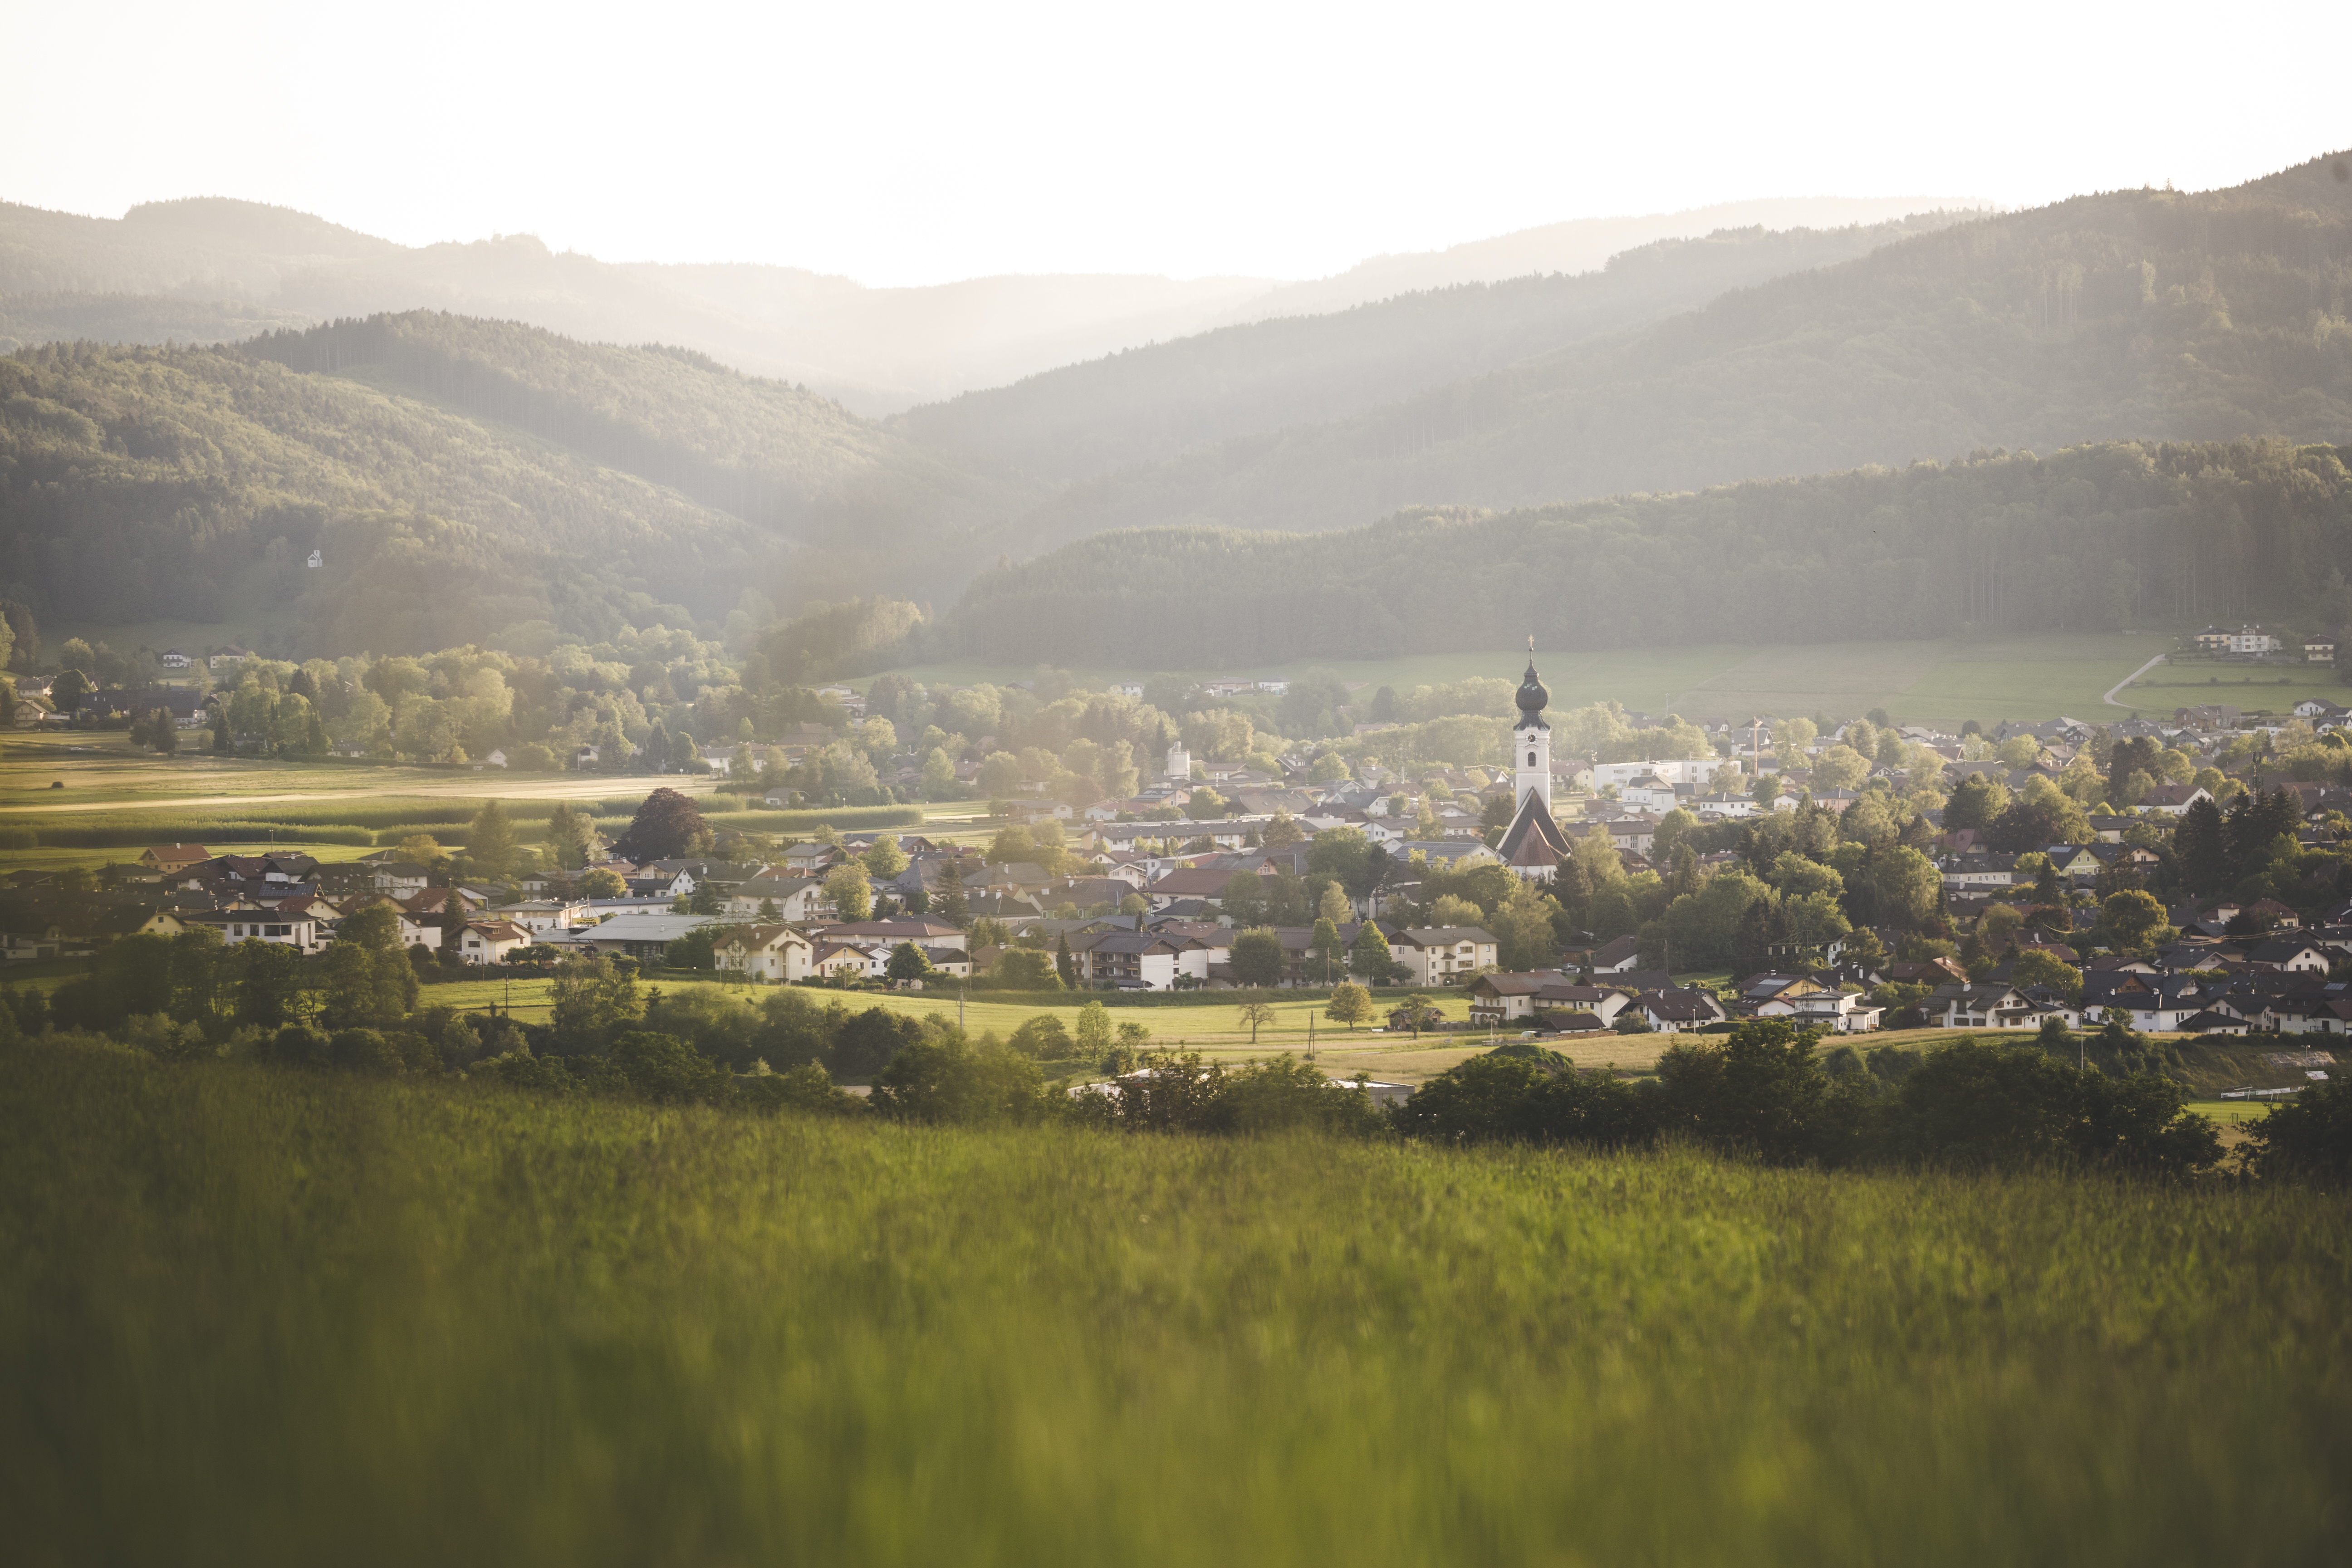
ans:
(2169, 876)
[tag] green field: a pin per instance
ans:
(256, 1317)
(1941, 682)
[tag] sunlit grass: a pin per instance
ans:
(256, 1320)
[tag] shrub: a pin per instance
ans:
(2307, 1137)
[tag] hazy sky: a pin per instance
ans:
(917, 142)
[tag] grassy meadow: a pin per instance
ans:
(1933, 682)
(256, 1318)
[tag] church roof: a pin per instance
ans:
(1533, 838)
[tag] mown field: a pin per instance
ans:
(256, 1317)
(1940, 682)
(115, 799)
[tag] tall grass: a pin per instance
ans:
(255, 1319)
(368, 822)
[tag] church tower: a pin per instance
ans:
(1531, 740)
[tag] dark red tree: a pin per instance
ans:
(663, 829)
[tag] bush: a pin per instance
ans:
(2307, 1137)
(943, 1078)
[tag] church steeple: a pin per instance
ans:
(1531, 739)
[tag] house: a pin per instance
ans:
(2243, 640)
(839, 961)
(2319, 647)
(228, 653)
(775, 953)
(541, 916)
(794, 897)
(173, 658)
(1139, 961)
(399, 877)
(1678, 1012)
(2288, 953)
(890, 934)
(807, 859)
(642, 936)
(1616, 957)
(2172, 799)
(1185, 883)
(489, 941)
(1444, 955)
(1988, 1006)
(169, 859)
(287, 929)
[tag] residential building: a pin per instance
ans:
(1444, 955)
(489, 941)
(775, 953)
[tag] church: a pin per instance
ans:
(1534, 846)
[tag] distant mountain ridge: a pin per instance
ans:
(877, 350)
(1151, 404)
(2130, 313)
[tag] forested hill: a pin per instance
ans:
(143, 484)
(462, 476)
(2132, 313)
(796, 465)
(1149, 404)
(2110, 535)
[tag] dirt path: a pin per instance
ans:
(2110, 698)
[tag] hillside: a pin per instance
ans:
(2096, 537)
(794, 464)
(541, 479)
(2132, 313)
(1149, 404)
(143, 484)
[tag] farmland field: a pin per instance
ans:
(256, 1317)
(1942, 682)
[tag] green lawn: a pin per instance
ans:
(1940, 682)
(267, 1318)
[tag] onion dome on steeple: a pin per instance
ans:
(1533, 698)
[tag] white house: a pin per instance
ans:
(795, 898)
(489, 941)
(1677, 771)
(279, 926)
(540, 916)
(1444, 955)
(775, 953)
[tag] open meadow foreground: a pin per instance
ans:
(255, 1317)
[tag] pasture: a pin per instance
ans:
(1940, 682)
(262, 1318)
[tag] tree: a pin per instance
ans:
(1026, 969)
(1257, 958)
(491, 841)
(66, 691)
(1255, 1013)
(1974, 802)
(1351, 1004)
(848, 891)
(1091, 1030)
(2200, 845)
(369, 980)
(1417, 1010)
(1282, 832)
(884, 857)
(2131, 917)
(1064, 965)
(999, 775)
(590, 997)
(568, 832)
(768, 914)
(197, 956)
(602, 882)
(2036, 968)
(938, 774)
(1330, 955)
(954, 907)
(268, 980)
(1372, 958)
(907, 962)
(667, 827)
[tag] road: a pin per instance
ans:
(2110, 698)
